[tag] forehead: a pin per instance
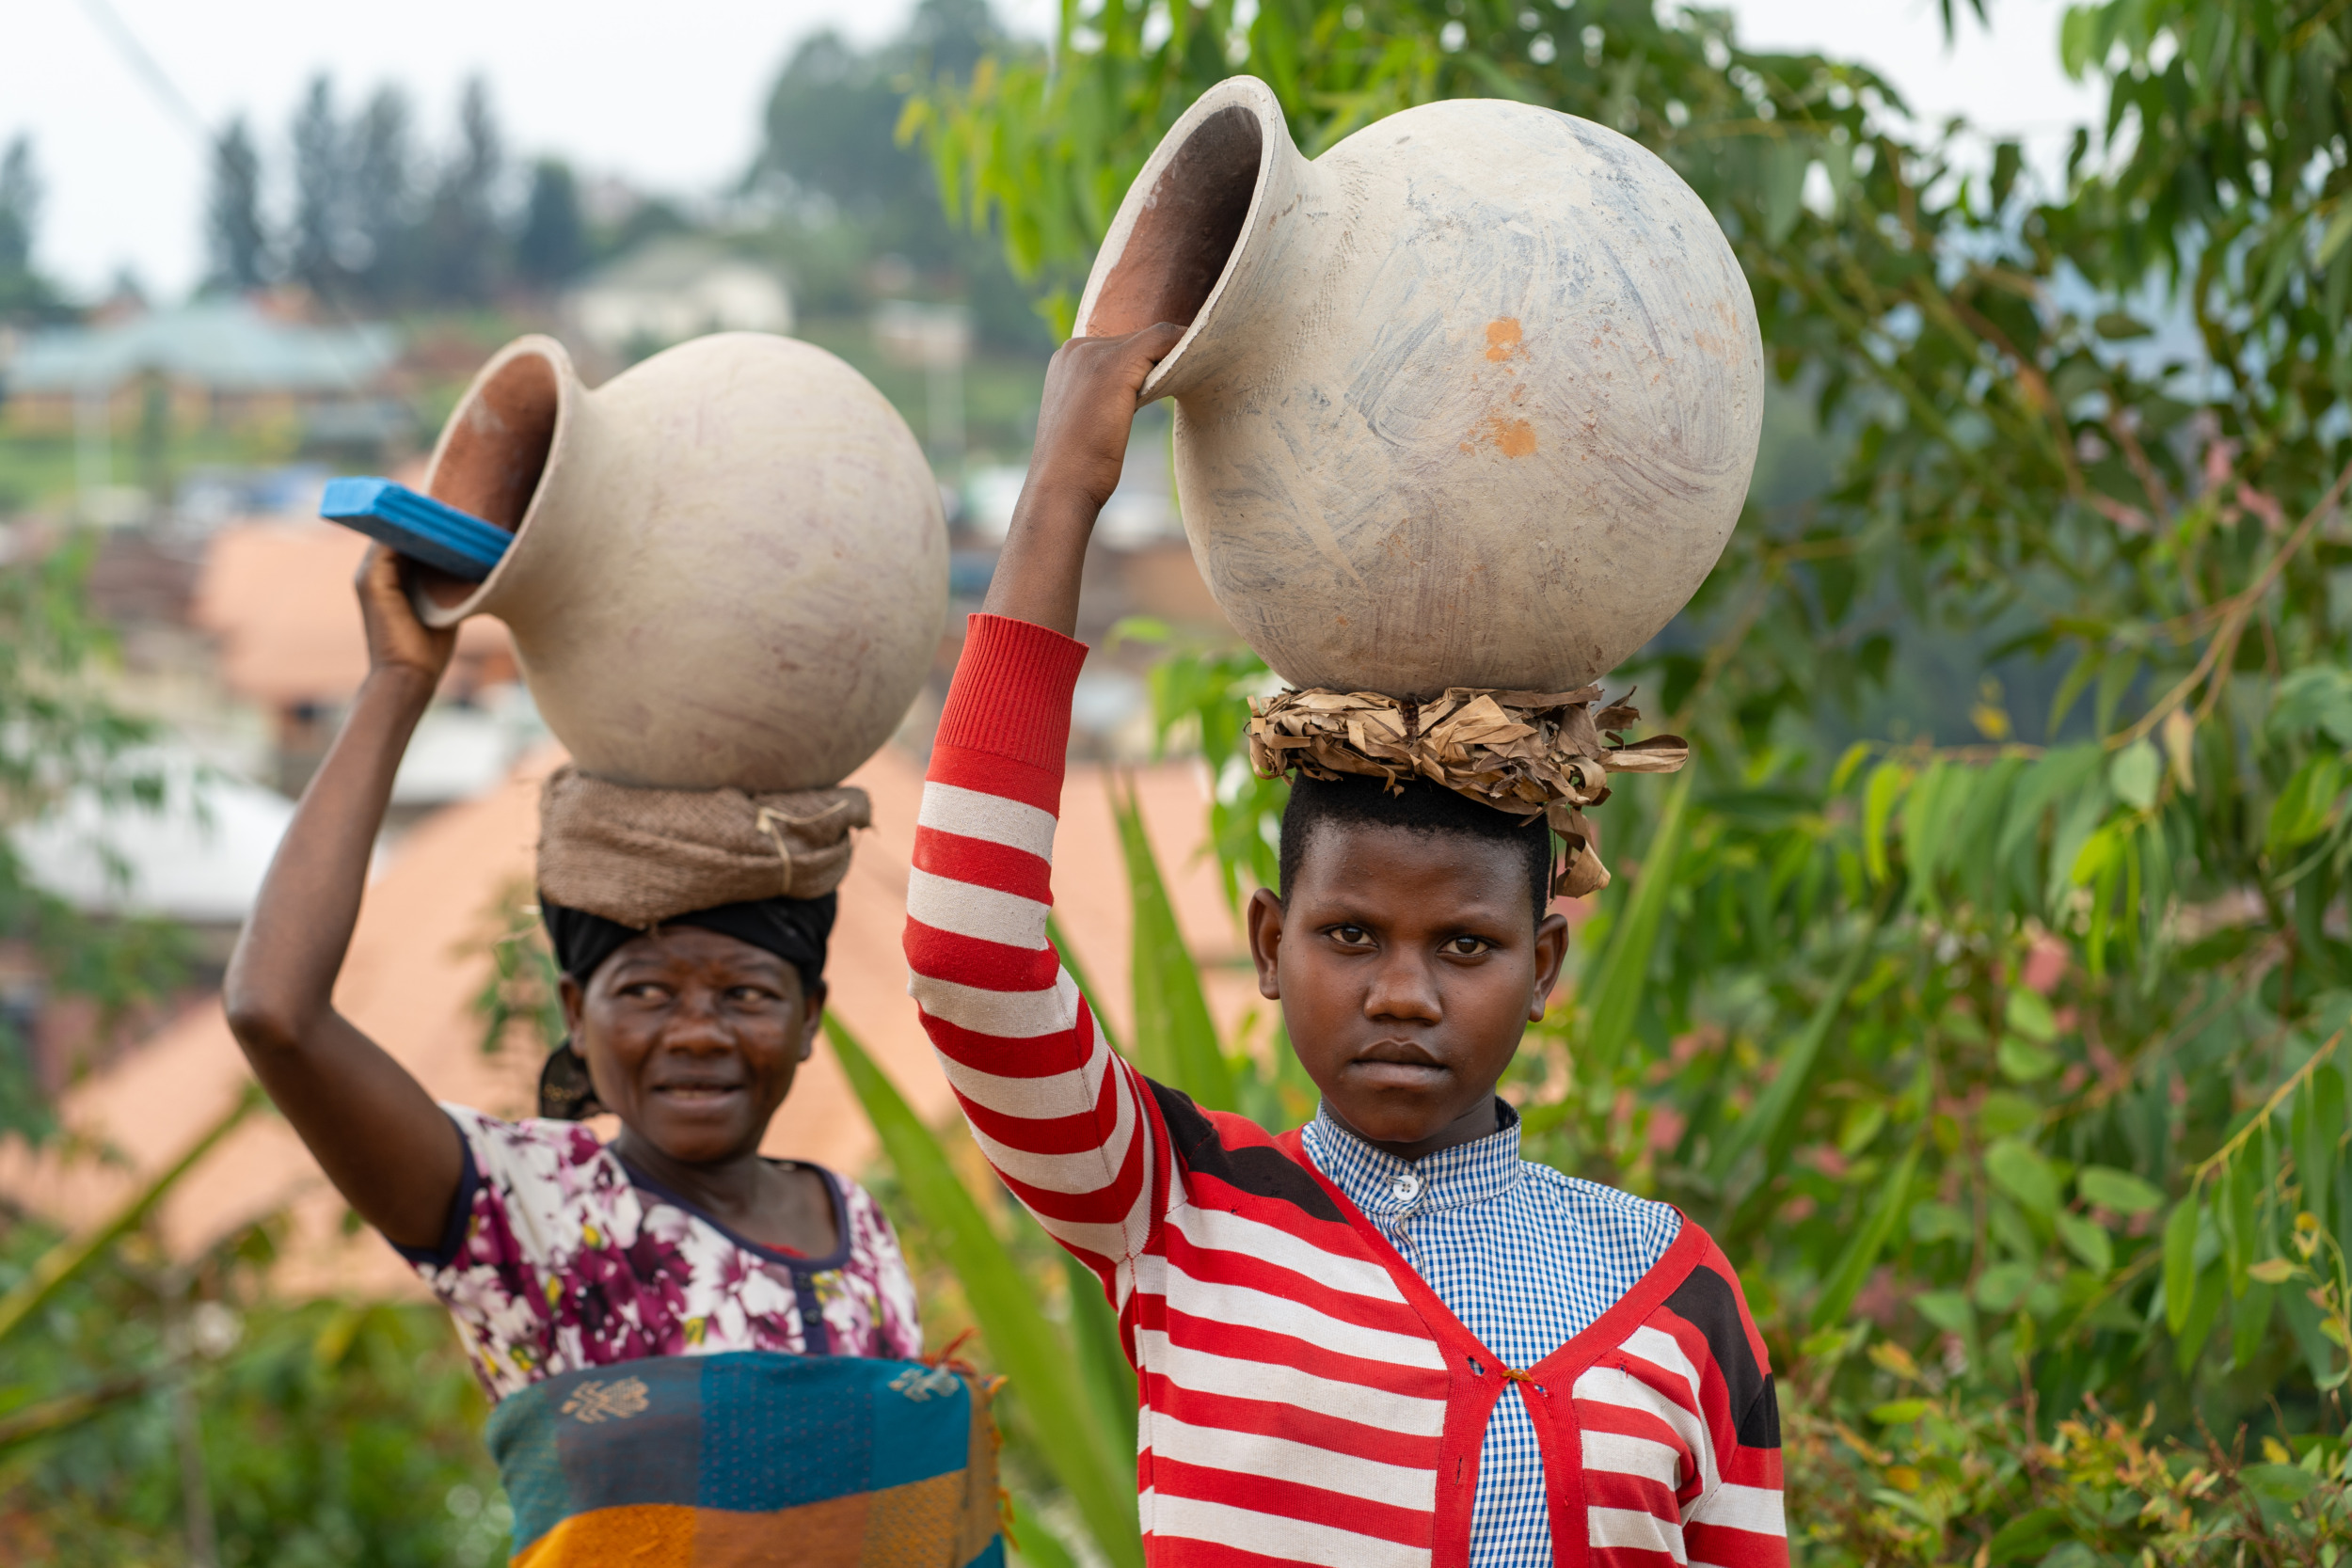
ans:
(1407, 872)
(694, 947)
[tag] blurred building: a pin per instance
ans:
(223, 364)
(277, 597)
(674, 288)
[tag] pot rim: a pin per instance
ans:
(1243, 92)
(567, 393)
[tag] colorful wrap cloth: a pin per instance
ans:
(752, 1458)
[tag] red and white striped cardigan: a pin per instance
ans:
(1306, 1397)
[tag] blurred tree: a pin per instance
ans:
(831, 151)
(383, 196)
(239, 244)
(462, 256)
(322, 194)
(552, 245)
(23, 291)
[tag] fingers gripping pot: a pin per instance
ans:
(1469, 400)
(730, 566)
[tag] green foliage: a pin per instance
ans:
(147, 1396)
(59, 733)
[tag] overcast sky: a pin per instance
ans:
(666, 95)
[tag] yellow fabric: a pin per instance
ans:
(924, 1524)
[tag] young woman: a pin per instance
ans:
(693, 993)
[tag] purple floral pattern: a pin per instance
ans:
(564, 1263)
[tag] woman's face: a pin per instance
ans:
(693, 1038)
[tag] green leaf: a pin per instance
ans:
(1947, 1310)
(2021, 1061)
(2339, 231)
(2135, 775)
(1853, 1270)
(2028, 1013)
(2000, 1287)
(2089, 1241)
(2118, 1190)
(2024, 1175)
(1762, 1126)
(1058, 1411)
(1032, 1545)
(1897, 1411)
(2003, 1111)
(1624, 970)
(2270, 1271)
(2180, 1264)
(2204, 1310)
(1877, 808)
(2306, 807)
(1175, 1038)
(2279, 1483)
(1078, 977)
(2249, 1322)
(2027, 1533)
(1110, 1377)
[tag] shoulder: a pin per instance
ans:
(1704, 1308)
(867, 1224)
(1642, 1224)
(1235, 1153)
(511, 1153)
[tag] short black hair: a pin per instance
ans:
(1423, 807)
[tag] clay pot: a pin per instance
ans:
(730, 566)
(1471, 400)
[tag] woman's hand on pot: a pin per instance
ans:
(1091, 389)
(397, 640)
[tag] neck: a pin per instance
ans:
(1477, 1122)
(724, 1188)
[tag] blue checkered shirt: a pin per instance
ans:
(1526, 1257)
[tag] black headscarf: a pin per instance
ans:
(794, 929)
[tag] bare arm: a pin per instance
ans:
(383, 1142)
(1082, 426)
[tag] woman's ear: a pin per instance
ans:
(573, 998)
(813, 1018)
(1265, 919)
(1551, 951)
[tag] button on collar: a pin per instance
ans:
(1407, 1186)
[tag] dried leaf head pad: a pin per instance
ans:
(1526, 753)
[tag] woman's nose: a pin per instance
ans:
(1403, 989)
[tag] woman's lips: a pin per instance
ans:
(696, 1092)
(1387, 1073)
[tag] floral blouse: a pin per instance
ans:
(557, 1256)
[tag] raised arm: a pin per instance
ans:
(388, 1150)
(1063, 1120)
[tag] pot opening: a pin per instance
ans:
(1187, 229)
(497, 449)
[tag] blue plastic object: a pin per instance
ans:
(417, 526)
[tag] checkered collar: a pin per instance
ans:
(1383, 1185)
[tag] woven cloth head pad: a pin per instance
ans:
(642, 856)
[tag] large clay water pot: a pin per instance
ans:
(1469, 399)
(729, 565)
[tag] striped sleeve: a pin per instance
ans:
(1734, 1520)
(1057, 1112)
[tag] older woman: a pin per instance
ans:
(691, 931)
